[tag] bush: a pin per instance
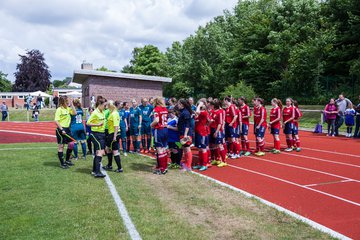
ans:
(238, 90)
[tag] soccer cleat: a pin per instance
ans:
(215, 162)
(203, 168)
(76, 159)
(247, 153)
(157, 172)
(92, 173)
(276, 151)
(84, 157)
(288, 150)
(142, 151)
(238, 155)
(119, 170)
(298, 149)
(222, 164)
(242, 153)
(146, 151)
(99, 175)
(125, 154)
(273, 150)
(197, 167)
(69, 163)
(107, 167)
(233, 156)
(164, 172)
(259, 154)
(64, 166)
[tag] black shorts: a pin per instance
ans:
(62, 138)
(98, 139)
(110, 143)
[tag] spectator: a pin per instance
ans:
(39, 101)
(92, 101)
(342, 103)
(357, 122)
(36, 112)
(349, 119)
(331, 114)
(28, 102)
(4, 111)
(56, 101)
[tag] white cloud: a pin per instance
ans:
(101, 32)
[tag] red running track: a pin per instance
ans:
(322, 183)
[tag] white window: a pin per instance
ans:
(9, 97)
(3, 96)
(20, 97)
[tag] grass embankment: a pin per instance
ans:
(22, 115)
(41, 201)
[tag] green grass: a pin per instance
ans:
(23, 116)
(41, 201)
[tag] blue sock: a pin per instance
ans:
(123, 143)
(148, 143)
(76, 150)
(83, 146)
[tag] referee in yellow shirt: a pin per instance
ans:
(63, 134)
(113, 137)
(97, 124)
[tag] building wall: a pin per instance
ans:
(13, 101)
(119, 89)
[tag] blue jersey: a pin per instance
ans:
(123, 115)
(77, 120)
(146, 112)
(135, 114)
(349, 117)
(173, 135)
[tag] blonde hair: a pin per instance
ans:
(159, 101)
(111, 105)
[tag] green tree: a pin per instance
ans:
(238, 90)
(32, 73)
(5, 84)
(104, 69)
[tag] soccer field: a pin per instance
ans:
(41, 201)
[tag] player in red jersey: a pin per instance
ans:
(201, 134)
(159, 124)
(275, 123)
(217, 134)
(295, 133)
(245, 119)
(288, 122)
(260, 125)
(238, 129)
(230, 125)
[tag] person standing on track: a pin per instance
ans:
(159, 125)
(97, 124)
(288, 123)
(63, 134)
(230, 125)
(113, 137)
(245, 119)
(295, 133)
(77, 128)
(357, 121)
(331, 114)
(135, 125)
(146, 110)
(275, 123)
(260, 125)
(349, 119)
(217, 134)
(342, 103)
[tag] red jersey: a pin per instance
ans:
(275, 113)
(245, 112)
(239, 114)
(288, 112)
(298, 115)
(218, 119)
(230, 113)
(201, 123)
(259, 114)
(161, 113)
(212, 117)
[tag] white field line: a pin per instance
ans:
(279, 208)
(25, 148)
(134, 234)
(326, 183)
(303, 168)
(28, 133)
(321, 159)
(296, 184)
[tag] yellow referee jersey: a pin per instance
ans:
(95, 118)
(113, 121)
(62, 115)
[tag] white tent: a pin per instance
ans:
(74, 94)
(37, 93)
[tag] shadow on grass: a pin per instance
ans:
(143, 167)
(86, 171)
(52, 164)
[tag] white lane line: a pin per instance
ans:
(326, 183)
(303, 168)
(134, 234)
(29, 133)
(296, 184)
(25, 148)
(279, 208)
(321, 159)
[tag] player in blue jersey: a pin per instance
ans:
(78, 130)
(135, 125)
(146, 110)
(123, 125)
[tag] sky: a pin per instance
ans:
(104, 33)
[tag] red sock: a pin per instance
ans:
(201, 158)
(288, 142)
(298, 143)
(257, 145)
(223, 155)
(262, 145)
(277, 145)
(225, 147)
(217, 153)
(247, 145)
(188, 159)
(208, 154)
(243, 144)
(206, 158)
(238, 148)
(162, 161)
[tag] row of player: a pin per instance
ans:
(218, 128)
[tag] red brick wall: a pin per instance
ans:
(119, 89)
(12, 102)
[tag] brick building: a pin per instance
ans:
(117, 86)
(14, 99)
